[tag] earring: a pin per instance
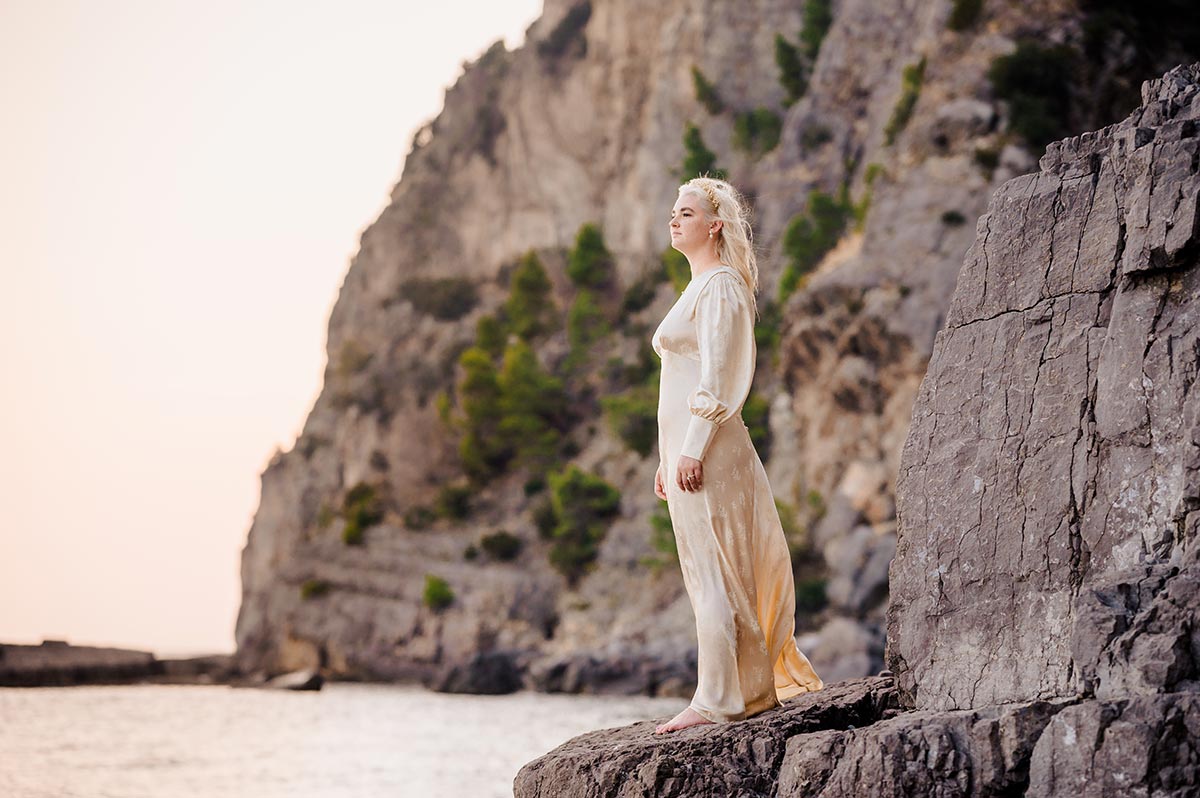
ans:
(710, 235)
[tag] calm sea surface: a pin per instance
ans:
(361, 740)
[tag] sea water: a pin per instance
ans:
(360, 740)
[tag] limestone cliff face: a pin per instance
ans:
(582, 124)
(1045, 589)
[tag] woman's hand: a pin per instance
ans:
(690, 474)
(660, 490)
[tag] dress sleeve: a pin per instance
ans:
(725, 334)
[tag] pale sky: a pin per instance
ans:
(182, 186)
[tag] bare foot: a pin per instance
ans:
(689, 717)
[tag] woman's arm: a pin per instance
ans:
(725, 334)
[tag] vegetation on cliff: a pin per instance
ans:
(581, 505)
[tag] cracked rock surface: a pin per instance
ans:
(1042, 622)
(1049, 489)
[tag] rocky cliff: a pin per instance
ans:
(869, 140)
(1042, 629)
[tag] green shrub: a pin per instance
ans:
(567, 37)
(697, 159)
(481, 449)
(1036, 82)
(490, 335)
(793, 72)
(754, 413)
(501, 545)
(818, 17)
(352, 358)
(910, 90)
(589, 262)
(766, 326)
(471, 552)
(490, 122)
(633, 417)
(453, 501)
(757, 131)
(437, 594)
(964, 14)
(810, 235)
(706, 93)
(816, 503)
(663, 532)
(872, 173)
(1124, 43)
(444, 406)
(445, 298)
(859, 209)
(325, 516)
(352, 533)
(662, 539)
(313, 588)
(529, 309)
(533, 409)
(641, 291)
(585, 325)
(582, 505)
(545, 519)
(953, 218)
(642, 371)
(814, 136)
(987, 158)
(810, 595)
(677, 267)
(535, 484)
(307, 444)
(419, 517)
(362, 508)
(787, 519)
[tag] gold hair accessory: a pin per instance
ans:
(712, 197)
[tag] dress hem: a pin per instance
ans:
(715, 717)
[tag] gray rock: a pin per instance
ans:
(734, 759)
(1048, 489)
(484, 673)
(57, 663)
(965, 752)
(1137, 746)
(297, 680)
(614, 675)
(858, 565)
(846, 649)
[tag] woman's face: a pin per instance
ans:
(689, 227)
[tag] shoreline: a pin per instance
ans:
(57, 663)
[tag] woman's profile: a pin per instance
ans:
(732, 550)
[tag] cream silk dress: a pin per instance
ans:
(735, 561)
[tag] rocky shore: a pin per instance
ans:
(1042, 624)
(57, 663)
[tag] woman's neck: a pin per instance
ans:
(699, 269)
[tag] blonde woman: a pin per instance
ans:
(735, 561)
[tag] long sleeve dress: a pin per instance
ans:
(732, 550)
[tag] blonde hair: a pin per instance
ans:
(735, 239)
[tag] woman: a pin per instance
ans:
(735, 560)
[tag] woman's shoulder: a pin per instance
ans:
(724, 280)
(724, 277)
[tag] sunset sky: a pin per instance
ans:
(182, 186)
